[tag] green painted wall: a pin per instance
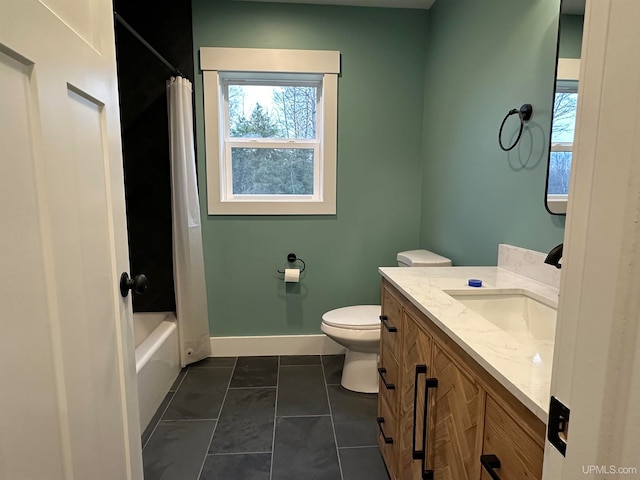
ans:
(483, 59)
(570, 36)
(379, 160)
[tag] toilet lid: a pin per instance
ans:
(361, 317)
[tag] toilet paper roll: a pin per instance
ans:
(292, 275)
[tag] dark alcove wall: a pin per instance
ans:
(142, 78)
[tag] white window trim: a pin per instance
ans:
(568, 69)
(214, 61)
(557, 203)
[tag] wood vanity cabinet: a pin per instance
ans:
(469, 415)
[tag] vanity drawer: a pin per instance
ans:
(391, 323)
(519, 454)
(389, 384)
(387, 441)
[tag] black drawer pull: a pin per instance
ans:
(489, 462)
(383, 319)
(429, 383)
(420, 369)
(387, 440)
(388, 386)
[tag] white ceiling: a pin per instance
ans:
(422, 4)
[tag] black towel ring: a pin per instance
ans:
(524, 113)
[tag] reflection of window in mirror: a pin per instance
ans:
(562, 133)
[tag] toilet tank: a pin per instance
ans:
(421, 258)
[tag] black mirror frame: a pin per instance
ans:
(555, 82)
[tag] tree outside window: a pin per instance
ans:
(563, 130)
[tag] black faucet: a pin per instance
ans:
(554, 256)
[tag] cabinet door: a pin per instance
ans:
(520, 455)
(456, 413)
(415, 369)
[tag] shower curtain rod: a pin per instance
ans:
(122, 22)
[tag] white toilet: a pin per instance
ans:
(358, 329)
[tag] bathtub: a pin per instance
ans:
(157, 360)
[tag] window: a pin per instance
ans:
(271, 143)
(270, 129)
(562, 134)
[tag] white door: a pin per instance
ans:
(596, 369)
(68, 399)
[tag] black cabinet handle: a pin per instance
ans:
(428, 384)
(388, 386)
(420, 369)
(388, 440)
(383, 319)
(489, 462)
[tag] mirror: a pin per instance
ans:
(565, 103)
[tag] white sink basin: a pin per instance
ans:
(517, 313)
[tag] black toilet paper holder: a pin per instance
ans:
(292, 258)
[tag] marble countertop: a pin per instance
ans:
(522, 367)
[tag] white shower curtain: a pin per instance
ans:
(188, 260)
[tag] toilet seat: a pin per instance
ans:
(358, 317)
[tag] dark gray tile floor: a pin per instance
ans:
(263, 418)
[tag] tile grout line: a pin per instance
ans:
(275, 418)
(304, 416)
(301, 365)
(333, 428)
(221, 454)
(267, 387)
(195, 365)
(166, 408)
(182, 379)
(204, 460)
(173, 420)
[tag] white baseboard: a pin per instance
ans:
(276, 345)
